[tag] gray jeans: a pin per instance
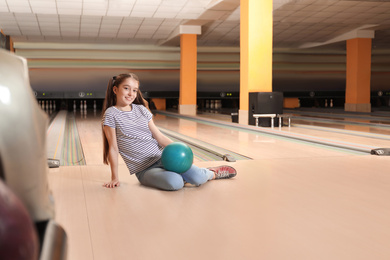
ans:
(157, 177)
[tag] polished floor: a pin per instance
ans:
(294, 200)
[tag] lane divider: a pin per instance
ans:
(58, 141)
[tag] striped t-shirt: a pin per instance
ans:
(136, 144)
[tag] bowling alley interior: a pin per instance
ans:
(292, 94)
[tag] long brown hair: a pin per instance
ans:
(110, 101)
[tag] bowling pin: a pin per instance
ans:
(85, 104)
(54, 105)
(326, 103)
(219, 104)
(331, 103)
(94, 105)
(74, 105)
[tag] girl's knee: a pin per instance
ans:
(170, 181)
(163, 180)
(173, 184)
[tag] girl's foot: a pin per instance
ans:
(223, 172)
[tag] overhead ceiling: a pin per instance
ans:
(297, 23)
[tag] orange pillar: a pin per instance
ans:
(9, 43)
(160, 103)
(256, 30)
(188, 74)
(358, 85)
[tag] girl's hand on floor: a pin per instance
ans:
(112, 184)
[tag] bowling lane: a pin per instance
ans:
(55, 136)
(375, 122)
(90, 133)
(379, 117)
(272, 203)
(254, 145)
(246, 143)
(342, 125)
(66, 184)
(198, 154)
(304, 198)
(345, 134)
(365, 138)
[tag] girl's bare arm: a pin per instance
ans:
(112, 157)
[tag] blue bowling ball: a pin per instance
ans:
(177, 157)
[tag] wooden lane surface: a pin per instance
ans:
(375, 123)
(378, 139)
(360, 128)
(338, 124)
(274, 209)
(328, 134)
(256, 146)
(66, 184)
(284, 206)
(91, 137)
(340, 114)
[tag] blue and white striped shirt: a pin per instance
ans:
(136, 144)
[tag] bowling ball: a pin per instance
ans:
(18, 237)
(177, 157)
